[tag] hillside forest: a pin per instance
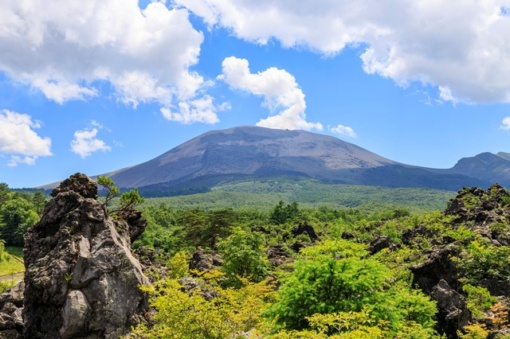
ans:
(293, 271)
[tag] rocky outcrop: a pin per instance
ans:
(438, 266)
(278, 255)
(11, 310)
(307, 229)
(479, 207)
(380, 243)
(205, 260)
(453, 313)
(153, 263)
(486, 214)
(82, 280)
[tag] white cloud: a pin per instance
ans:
(16, 160)
(18, 138)
(199, 110)
(279, 89)
(505, 124)
(461, 47)
(343, 130)
(64, 48)
(85, 142)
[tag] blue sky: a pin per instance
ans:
(99, 85)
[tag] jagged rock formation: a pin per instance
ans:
(485, 213)
(438, 266)
(82, 280)
(477, 207)
(453, 313)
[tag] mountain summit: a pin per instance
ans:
(249, 151)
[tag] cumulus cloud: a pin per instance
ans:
(200, 110)
(505, 124)
(85, 141)
(462, 48)
(66, 48)
(343, 130)
(18, 138)
(279, 89)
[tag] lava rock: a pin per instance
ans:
(81, 278)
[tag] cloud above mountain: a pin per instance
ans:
(462, 48)
(281, 93)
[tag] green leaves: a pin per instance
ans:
(243, 256)
(17, 215)
(129, 200)
(337, 278)
(109, 186)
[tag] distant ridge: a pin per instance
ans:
(248, 152)
(485, 166)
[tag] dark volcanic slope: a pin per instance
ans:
(243, 151)
(485, 166)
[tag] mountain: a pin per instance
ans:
(485, 166)
(247, 152)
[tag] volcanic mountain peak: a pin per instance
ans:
(248, 150)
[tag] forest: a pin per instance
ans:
(291, 271)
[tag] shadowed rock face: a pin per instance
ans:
(81, 278)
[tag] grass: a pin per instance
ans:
(14, 261)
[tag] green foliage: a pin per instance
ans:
(178, 265)
(111, 190)
(5, 193)
(283, 213)
(188, 315)
(326, 285)
(17, 215)
(499, 228)
(4, 256)
(243, 256)
(12, 261)
(205, 228)
(160, 230)
(480, 259)
(39, 201)
(336, 277)
(6, 285)
(130, 199)
(479, 299)
(264, 194)
(474, 331)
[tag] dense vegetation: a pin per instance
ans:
(263, 194)
(300, 270)
(333, 284)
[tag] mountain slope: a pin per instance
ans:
(246, 152)
(252, 151)
(485, 166)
